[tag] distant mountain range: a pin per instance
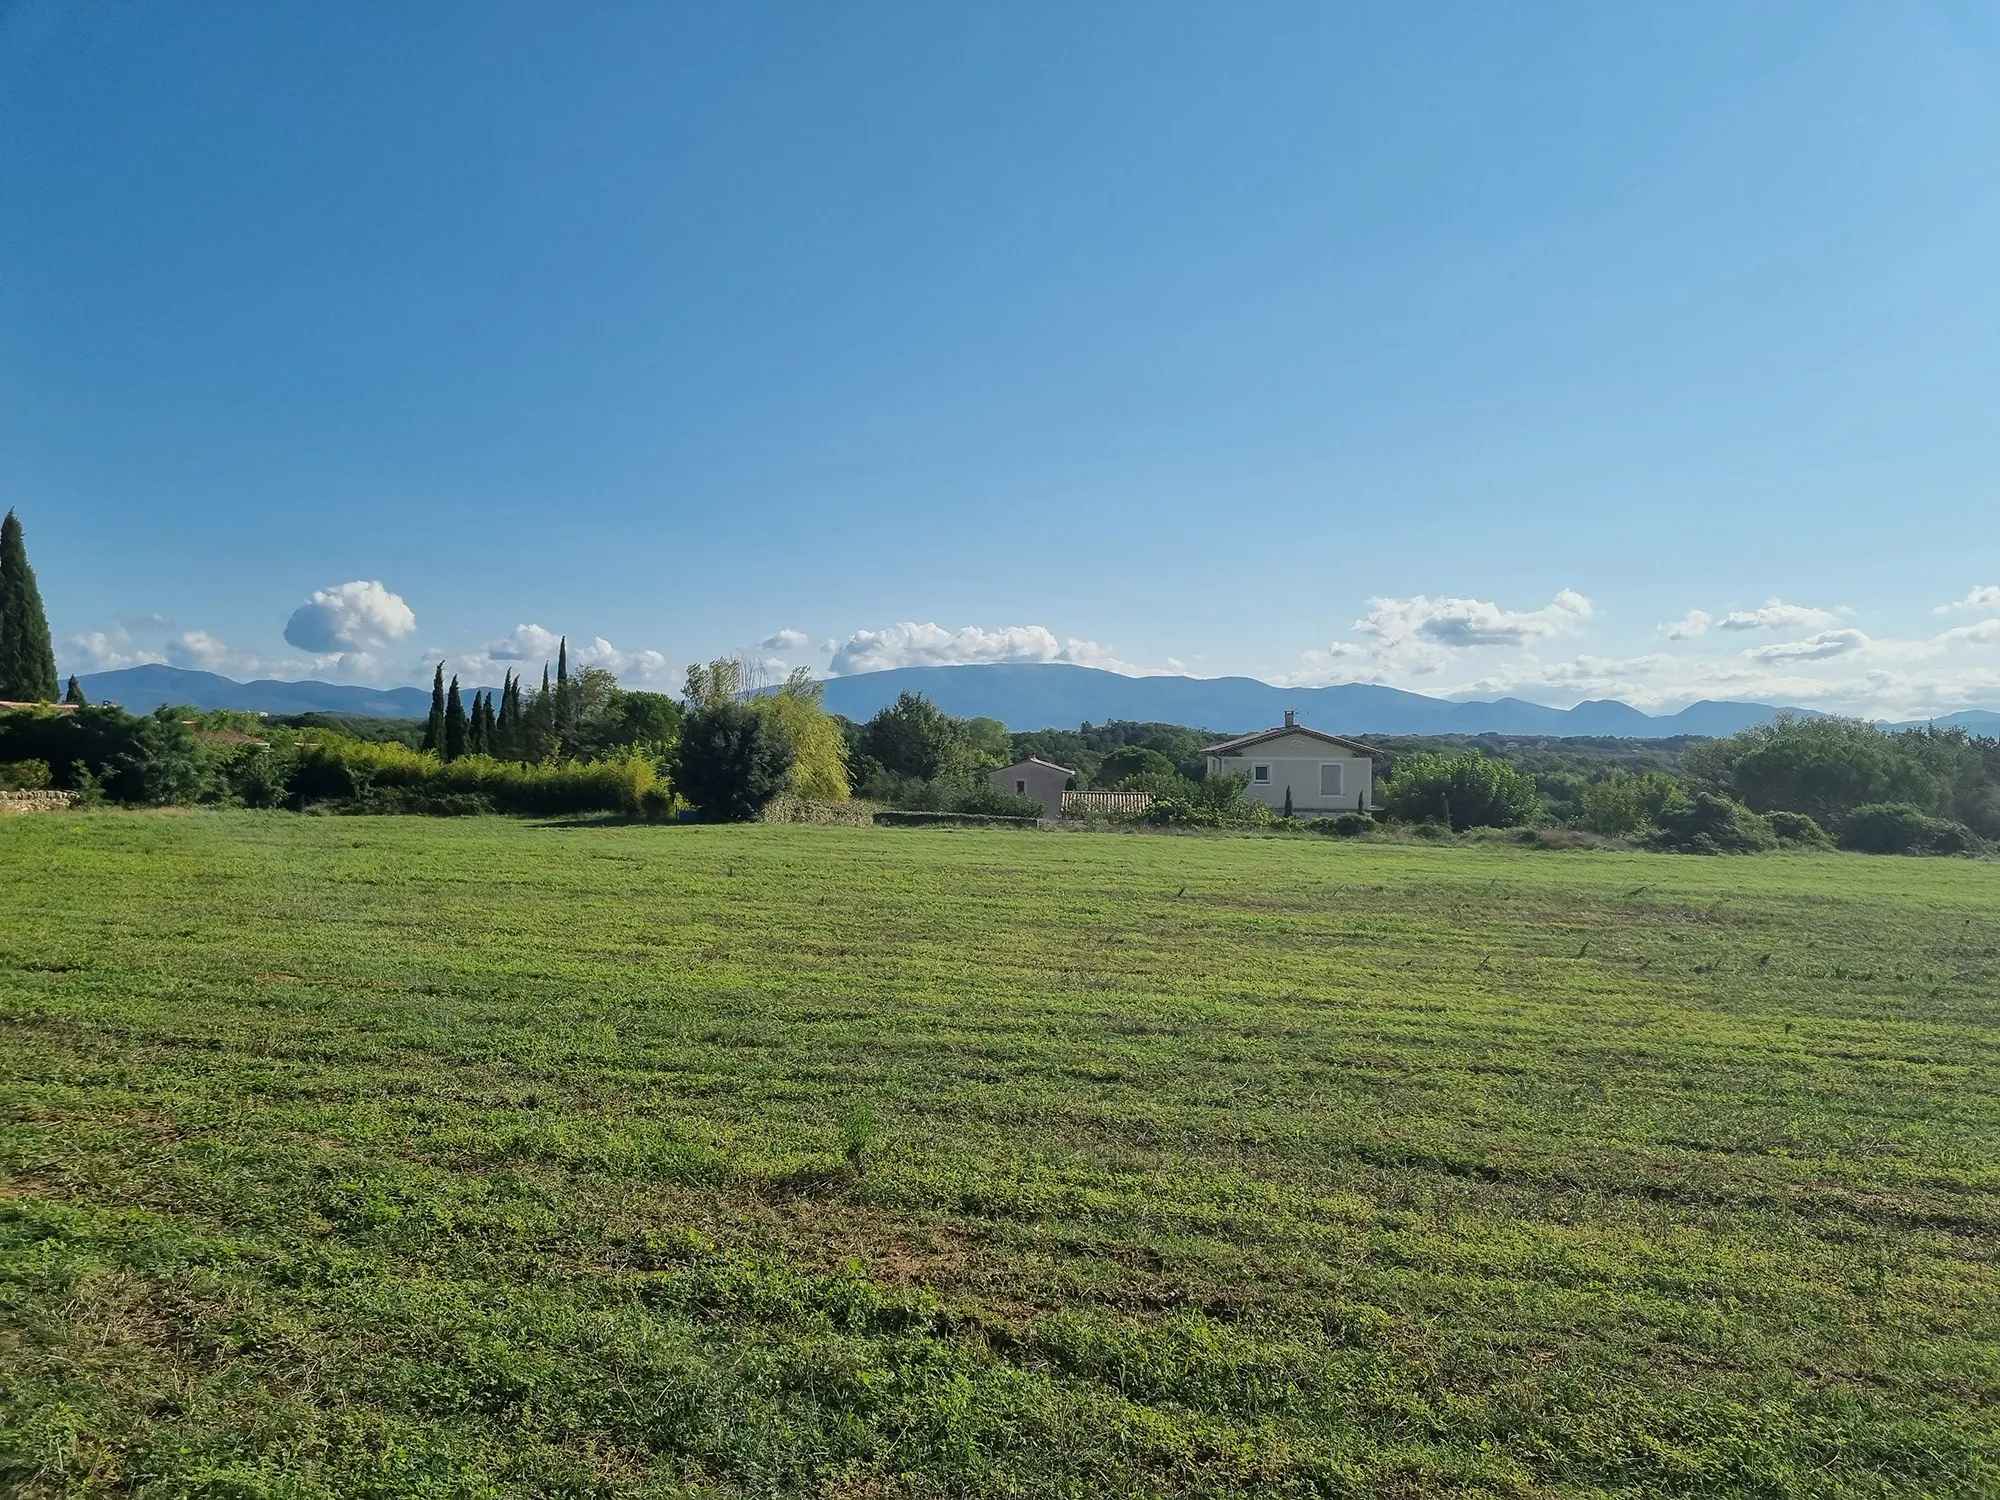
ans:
(1047, 696)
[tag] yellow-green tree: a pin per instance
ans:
(819, 750)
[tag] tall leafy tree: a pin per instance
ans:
(730, 761)
(454, 722)
(27, 654)
(74, 693)
(434, 726)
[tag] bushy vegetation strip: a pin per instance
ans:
(390, 1157)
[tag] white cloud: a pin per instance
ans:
(1985, 600)
(1778, 615)
(526, 647)
(357, 617)
(1984, 633)
(785, 640)
(1458, 624)
(108, 651)
(199, 651)
(525, 643)
(1689, 627)
(1821, 647)
(909, 644)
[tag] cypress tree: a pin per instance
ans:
(562, 705)
(27, 654)
(506, 705)
(489, 725)
(454, 722)
(434, 729)
(75, 693)
(475, 726)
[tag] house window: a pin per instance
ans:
(1261, 775)
(1329, 778)
(1021, 787)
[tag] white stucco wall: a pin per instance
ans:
(1295, 761)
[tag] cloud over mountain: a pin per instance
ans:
(357, 617)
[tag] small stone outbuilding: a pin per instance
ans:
(1034, 777)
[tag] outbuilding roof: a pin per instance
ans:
(1245, 742)
(1036, 760)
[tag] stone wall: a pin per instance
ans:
(27, 802)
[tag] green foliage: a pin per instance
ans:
(1899, 828)
(454, 722)
(812, 737)
(983, 797)
(1797, 830)
(986, 743)
(1713, 825)
(1464, 790)
(1823, 767)
(1131, 760)
(27, 654)
(389, 777)
(433, 742)
(1084, 749)
(731, 760)
(391, 1158)
(912, 738)
(73, 694)
(1626, 804)
(25, 776)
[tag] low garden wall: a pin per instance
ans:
(27, 802)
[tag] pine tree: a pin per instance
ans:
(75, 693)
(27, 654)
(434, 729)
(454, 722)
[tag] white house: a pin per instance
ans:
(1034, 777)
(1323, 772)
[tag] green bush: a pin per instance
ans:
(1345, 825)
(1630, 804)
(25, 776)
(1798, 830)
(984, 797)
(1463, 791)
(1131, 760)
(1899, 828)
(391, 777)
(730, 761)
(1714, 825)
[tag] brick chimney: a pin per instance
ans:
(1291, 718)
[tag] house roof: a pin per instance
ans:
(1036, 760)
(1239, 745)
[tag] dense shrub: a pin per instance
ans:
(25, 776)
(130, 759)
(1899, 828)
(1714, 825)
(1625, 804)
(1131, 760)
(984, 797)
(1798, 830)
(911, 738)
(1463, 791)
(731, 761)
(1345, 825)
(391, 777)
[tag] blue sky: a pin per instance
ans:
(1549, 350)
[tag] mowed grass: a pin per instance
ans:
(389, 1157)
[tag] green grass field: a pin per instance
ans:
(388, 1157)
